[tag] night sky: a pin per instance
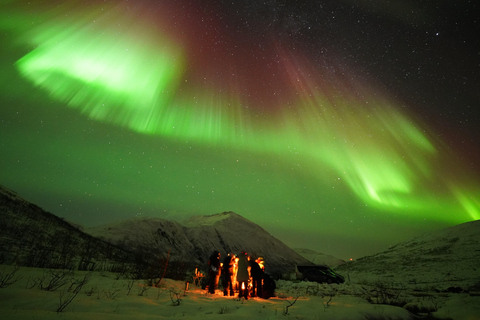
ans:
(341, 126)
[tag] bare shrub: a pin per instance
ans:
(54, 279)
(143, 288)
(224, 310)
(89, 292)
(66, 297)
(289, 302)
(385, 293)
(111, 293)
(32, 282)
(130, 284)
(7, 278)
(175, 296)
(330, 293)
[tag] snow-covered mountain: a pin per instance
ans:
(319, 258)
(440, 259)
(194, 240)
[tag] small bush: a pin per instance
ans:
(7, 278)
(175, 296)
(54, 279)
(385, 293)
(66, 297)
(224, 310)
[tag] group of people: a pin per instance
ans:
(239, 273)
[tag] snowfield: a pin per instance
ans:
(103, 295)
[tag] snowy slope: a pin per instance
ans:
(237, 234)
(33, 237)
(195, 239)
(149, 235)
(319, 258)
(441, 259)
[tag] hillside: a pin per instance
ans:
(36, 238)
(33, 237)
(440, 259)
(319, 258)
(194, 240)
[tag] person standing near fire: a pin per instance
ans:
(256, 272)
(214, 270)
(243, 275)
(228, 270)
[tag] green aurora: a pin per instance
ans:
(334, 158)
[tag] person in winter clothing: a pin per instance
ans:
(257, 276)
(227, 274)
(213, 271)
(269, 287)
(243, 275)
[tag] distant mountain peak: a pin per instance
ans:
(194, 240)
(210, 220)
(319, 258)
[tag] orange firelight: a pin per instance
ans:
(243, 285)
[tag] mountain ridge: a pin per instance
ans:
(194, 239)
(33, 237)
(47, 239)
(319, 258)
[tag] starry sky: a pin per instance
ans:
(341, 126)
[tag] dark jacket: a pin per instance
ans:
(256, 271)
(214, 263)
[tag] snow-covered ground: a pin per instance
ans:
(109, 296)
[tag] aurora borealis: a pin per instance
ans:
(342, 127)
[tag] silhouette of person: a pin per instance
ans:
(228, 274)
(243, 275)
(257, 277)
(213, 271)
(269, 286)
